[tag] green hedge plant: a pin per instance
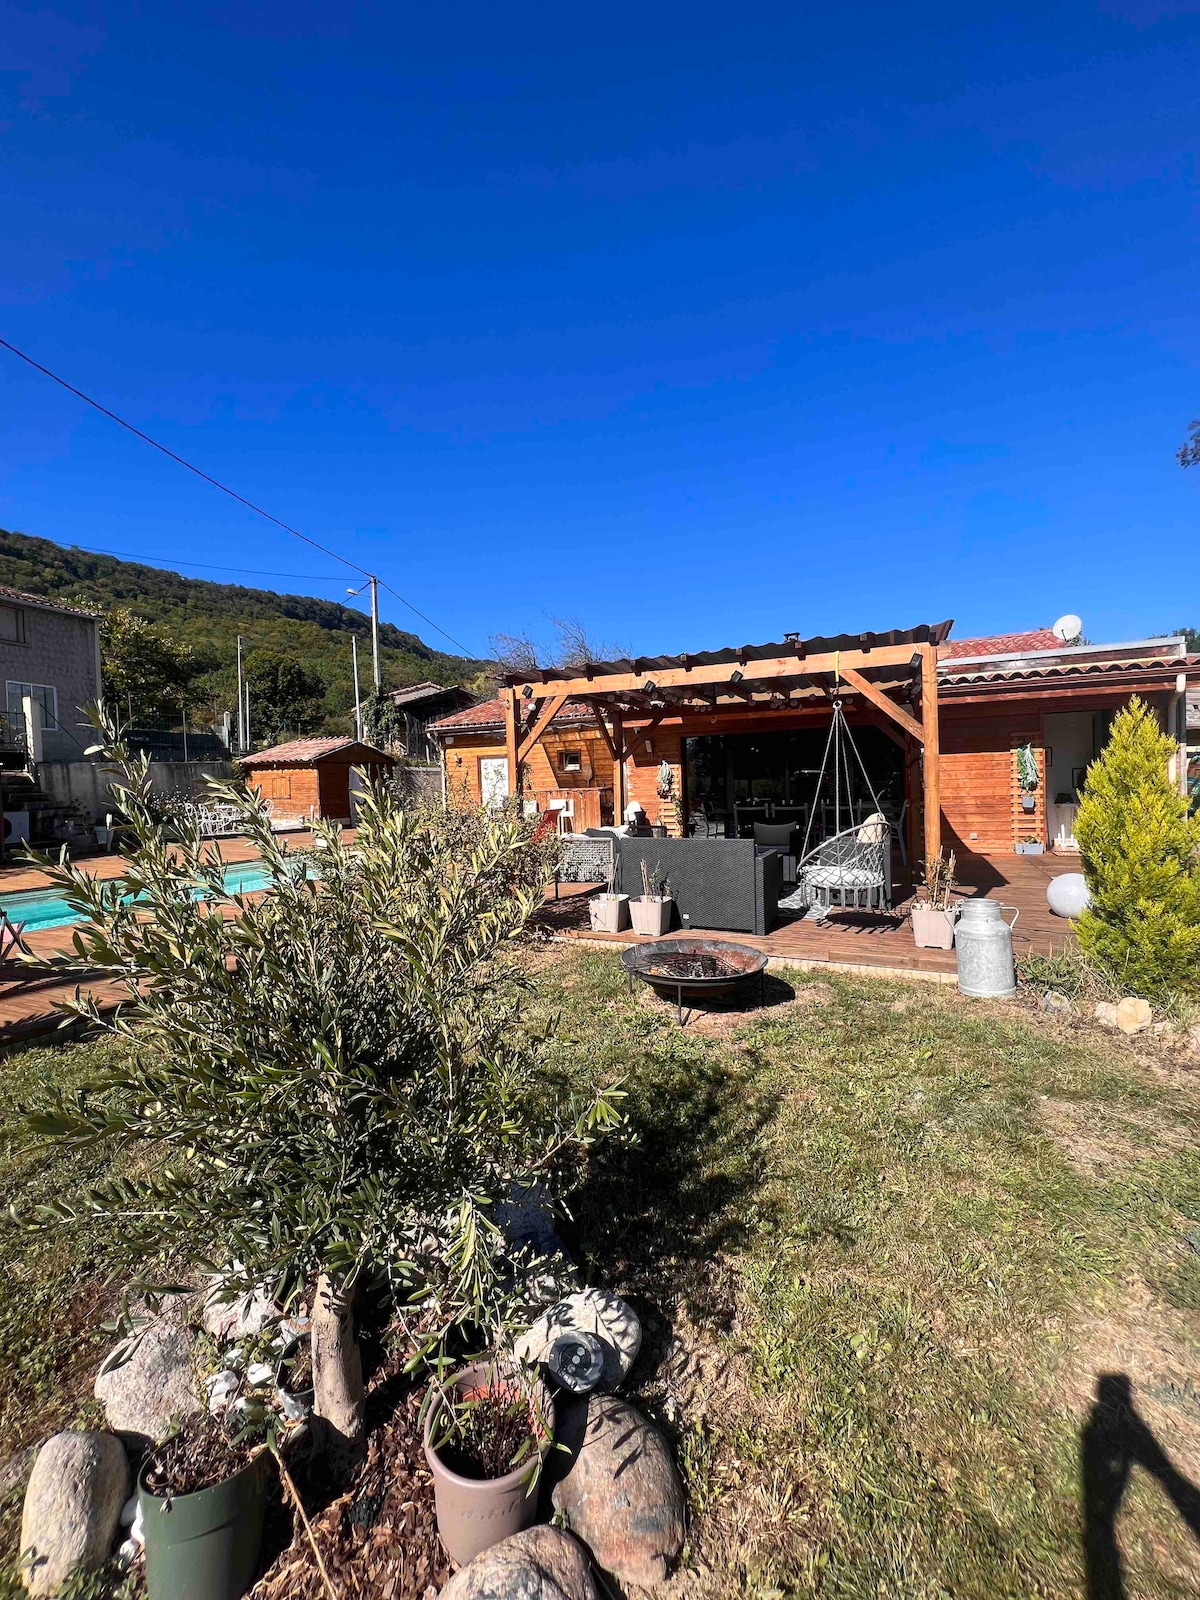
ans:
(335, 1075)
(1141, 856)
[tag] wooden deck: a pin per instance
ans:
(847, 940)
(851, 940)
(28, 997)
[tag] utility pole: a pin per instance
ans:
(247, 724)
(357, 702)
(241, 701)
(378, 678)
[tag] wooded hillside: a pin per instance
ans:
(209, 616)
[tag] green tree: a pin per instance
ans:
(1188, 454)
(1141, 857)
(382, 720)
(338, 1073)
(285, 698)
(146, 673)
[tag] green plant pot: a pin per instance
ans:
(205, 1546)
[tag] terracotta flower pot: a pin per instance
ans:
(932, 929)
(475, 1513)
(651, 914)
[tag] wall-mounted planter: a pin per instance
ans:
(1028, 802)
(1028, 847)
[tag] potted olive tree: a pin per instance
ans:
(932, 914)
(331, 1081)
(651, 910)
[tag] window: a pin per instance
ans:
(43, 694)
(570, 761)
(12, 625)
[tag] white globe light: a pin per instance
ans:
(1068, 895)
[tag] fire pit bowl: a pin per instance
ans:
(687, 970)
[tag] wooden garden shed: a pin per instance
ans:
(313, 778)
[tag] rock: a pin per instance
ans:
(1068, 894)
(621, 1494)
(1105, 1013)
(241, 1317)
(1165, 1029)
(1133, 1016)
(595, 1311)
(539, 1564)
(76, 1489)
(1055, 1000)
(157, 1383)
(221, 1388)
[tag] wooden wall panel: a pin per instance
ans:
(980, 796)
(543, 771)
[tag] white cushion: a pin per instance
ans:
(874, 830)
(842, 878)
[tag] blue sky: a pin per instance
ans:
(700, 323)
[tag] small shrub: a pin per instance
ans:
(1141, 856)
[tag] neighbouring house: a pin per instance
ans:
(51, 659)
(421, 704)
(308, 779)
(979, 743)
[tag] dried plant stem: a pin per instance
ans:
(312, 1538)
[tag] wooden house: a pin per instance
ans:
(423, 703)
(571, 762)
(981, 743)
(313, 778)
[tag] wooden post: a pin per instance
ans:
(510, 738)
(618, 737)
(932, 752)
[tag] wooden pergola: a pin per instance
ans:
(894, 673)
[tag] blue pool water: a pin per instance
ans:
(46, 908)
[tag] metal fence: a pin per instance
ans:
(162, 745)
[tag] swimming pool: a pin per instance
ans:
(47, 908)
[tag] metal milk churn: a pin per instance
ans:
(983, 941)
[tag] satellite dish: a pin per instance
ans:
(1068, 628)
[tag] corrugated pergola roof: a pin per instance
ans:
(738, 655)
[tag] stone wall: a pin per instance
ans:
(87, 784)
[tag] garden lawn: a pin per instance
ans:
(886, 1241)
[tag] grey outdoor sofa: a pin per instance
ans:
(715, 883)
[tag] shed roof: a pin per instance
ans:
(415, 693)
(313, 752)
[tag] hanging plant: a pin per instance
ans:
(1027, 767)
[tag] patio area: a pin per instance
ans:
(857, 939)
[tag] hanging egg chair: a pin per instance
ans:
(852, 866)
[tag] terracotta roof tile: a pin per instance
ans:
(304, 752)
(490, 714)
(43, 602)
(1002, 644)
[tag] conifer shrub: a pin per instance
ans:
(1141, 857)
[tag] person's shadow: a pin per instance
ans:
(1115, 1439)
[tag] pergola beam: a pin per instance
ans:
(747, 671)
(883, 702)
(545, 717)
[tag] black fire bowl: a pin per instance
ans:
(691, 970)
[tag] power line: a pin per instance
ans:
(423, 617)
(223, 487)
(212, 566)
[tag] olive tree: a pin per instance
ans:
(334, 1075)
